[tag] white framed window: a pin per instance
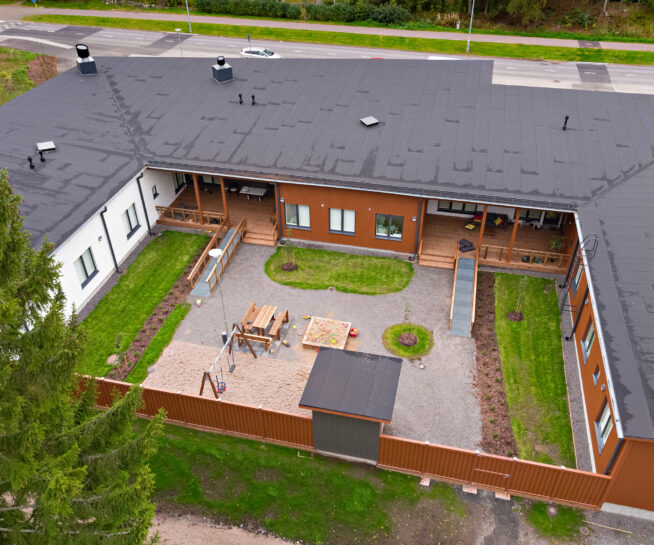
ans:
(155, 193)
(130, 221)
(596, 375)
(387, 226)
(341, 221)
(588, 340)
(577, 278)
(179, 181)
(603, 427)
(298, 216)
(85, 267)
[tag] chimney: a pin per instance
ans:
(85, 63)
(222, 72)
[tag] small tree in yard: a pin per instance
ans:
(68, 473)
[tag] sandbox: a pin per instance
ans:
(326, 332)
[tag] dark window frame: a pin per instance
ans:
(297, 215)
(587, 347)
(342, 231)
(596, 375)
(605, 428)
(133, 228)
(179, 181)
(155, 193)
(576, 279)
(89, 275)
(389, 218)
(463, 210)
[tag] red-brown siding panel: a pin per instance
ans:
(633, 475)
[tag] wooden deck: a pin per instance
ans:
(531, 249)
(257, 214)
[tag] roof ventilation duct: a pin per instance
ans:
(222, 72)
(85, 63)
(369, 121)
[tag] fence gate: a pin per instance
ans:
(345, 436)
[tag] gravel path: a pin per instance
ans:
(435, 404)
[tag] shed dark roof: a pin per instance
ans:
(353, 383)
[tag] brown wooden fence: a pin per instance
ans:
(519, 477)
(498, 473)
(232, 418)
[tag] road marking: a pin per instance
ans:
(512, 68)
(36, 40)
(139, 38)
(297, 51)
(630, 75)
(589, 72)
(549, 70)
(79, 33)
(332, 54)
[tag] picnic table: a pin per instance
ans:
(263, 318)
(248, 190)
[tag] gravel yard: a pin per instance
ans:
(436, 403)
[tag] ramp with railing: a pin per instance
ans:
(464, 291)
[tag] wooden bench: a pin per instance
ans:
(275, 329)
(250, 315)
(253, 338)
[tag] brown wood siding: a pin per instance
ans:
(365, 204)
(593, 394)
(632, 475)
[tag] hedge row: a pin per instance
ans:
(259, 8)
(389, 14)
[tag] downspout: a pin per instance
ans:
(145, 210)
(573, 260)
(609, 466)
(106, 232)
(581, 308)
(415, 246)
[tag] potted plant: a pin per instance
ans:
(556, 243)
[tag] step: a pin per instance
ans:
(439, 262)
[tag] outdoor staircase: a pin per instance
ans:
(461, 317)
(201, 289)
(437, 261)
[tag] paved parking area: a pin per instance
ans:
(435, 404)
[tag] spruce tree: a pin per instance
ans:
(68, 473)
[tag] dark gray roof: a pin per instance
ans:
(445, 130)
(353, 383)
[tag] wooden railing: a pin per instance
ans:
(205, 258)
(174, 215)
(230, 247)
(474, 292)
(456, 267)
(522, 255)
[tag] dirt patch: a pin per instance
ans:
(289, 266)
(497, 434)
(42, 68)
(267, 474)
(178, 294)
(408, 339)
(515, 316)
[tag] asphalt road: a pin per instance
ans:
(58, 40)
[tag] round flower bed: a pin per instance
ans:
(409, 341)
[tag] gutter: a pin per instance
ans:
(145, 210)
(599, 333)
(106, 232)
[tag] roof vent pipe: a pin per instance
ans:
(222, 72)
(254, 102)
(565, 122)
(240, 98)
(85, 63)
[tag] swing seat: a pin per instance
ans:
(221, 387)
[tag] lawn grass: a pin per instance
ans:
(129, 303)
(532, 364)
(421, 348)
(293, 494)
(320, 269)
(565, 525)
(456, 47)
(14, 80)
(160, 341)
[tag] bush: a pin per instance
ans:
(388, 14)
(391, 14)
(259, 8)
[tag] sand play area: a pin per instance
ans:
(272, 383)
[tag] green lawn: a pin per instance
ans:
(14, 80)
(532, 363)
(426, 45)
(565, 525)
(160, 341)
(129, 303)
(424, 345)
(299, 497)
(319, 269)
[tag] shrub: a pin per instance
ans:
(258, 8)
(388, 14)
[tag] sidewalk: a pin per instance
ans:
(16, 11)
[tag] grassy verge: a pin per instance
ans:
(126, 307)
(160, 341)
(320, 269)
(424, 345)
(295, 495)
(14, 80)
(517, 51)
(532, 364)
(565, 525)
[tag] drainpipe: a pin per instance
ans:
(415, 246)
(581, 308)
(106, 232)
(572, 263)
(145, 210)
(609, 467)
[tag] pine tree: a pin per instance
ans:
(68, 473)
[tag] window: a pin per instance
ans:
(387, 226)
(130, 221)
(297, 215)
(588, 340)
(577, 278)
(341, 221)
(178, 181)
(85, 267)
(596, 375)
(530, 214)
(155, 193)
(458, 207)
(603, 426)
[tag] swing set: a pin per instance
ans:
(220, 385)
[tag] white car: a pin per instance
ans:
(259, 53)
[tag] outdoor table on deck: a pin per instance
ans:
(248, 190)
(263, 318)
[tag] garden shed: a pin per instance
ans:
(351, 396)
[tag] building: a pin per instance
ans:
(551, 180)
